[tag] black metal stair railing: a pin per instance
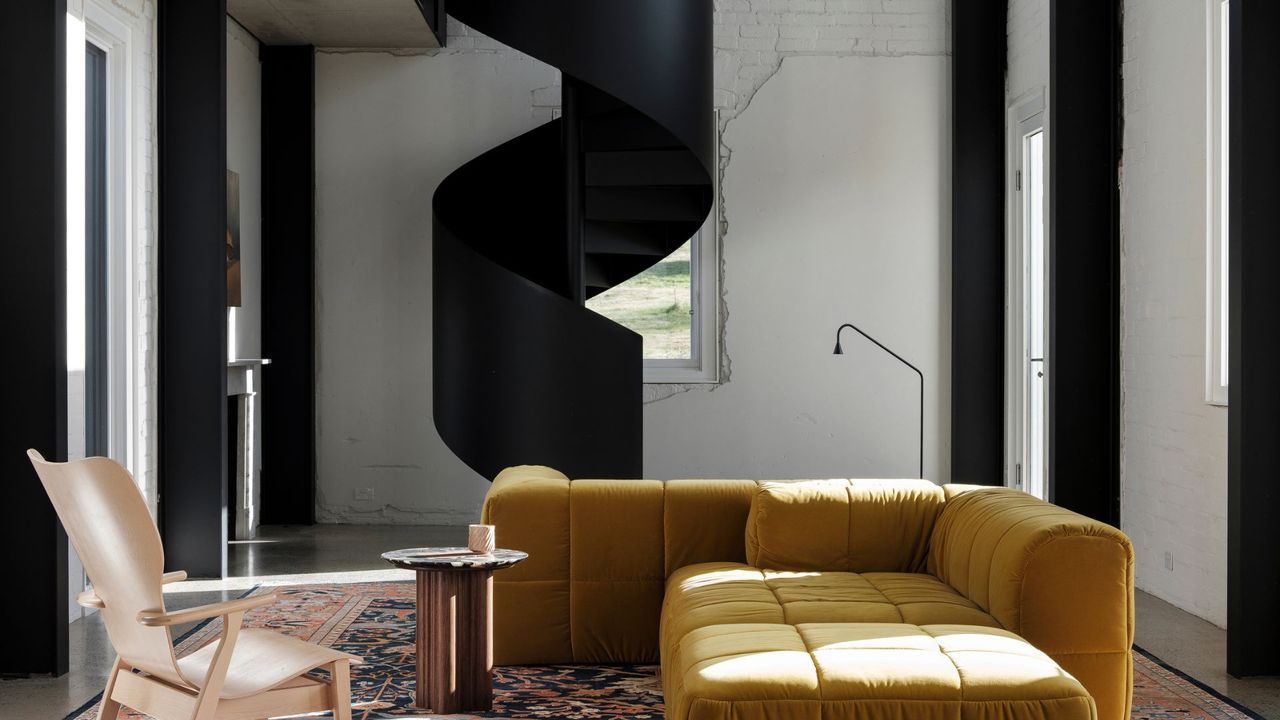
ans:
(523, 234)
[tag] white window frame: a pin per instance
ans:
(107, 26)
(704, 310)
(1026, 115)
(1216, 206)
(107, 31)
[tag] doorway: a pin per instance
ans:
(1028, 352)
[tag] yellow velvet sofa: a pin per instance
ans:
(808, 600)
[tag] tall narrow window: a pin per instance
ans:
(1216, 215)
(1029, 355)
(96, 385)
(1036, 320)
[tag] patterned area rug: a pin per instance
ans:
(375, 621)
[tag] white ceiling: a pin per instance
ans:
(335, 23)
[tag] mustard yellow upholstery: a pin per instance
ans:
(867, 671)
(724, 593)
(631, 571)
(1060, 580)
(854, 525)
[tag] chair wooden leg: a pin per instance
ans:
(340, 673)
(110, 709)
(207, 701)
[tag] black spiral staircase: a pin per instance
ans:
(526, 232)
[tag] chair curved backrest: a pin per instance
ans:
(107, 520)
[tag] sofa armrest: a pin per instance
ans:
(529, 507)
(1062, 581)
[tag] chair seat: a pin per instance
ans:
(262, 660)
(868, 671)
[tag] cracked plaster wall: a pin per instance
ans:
(391, 124)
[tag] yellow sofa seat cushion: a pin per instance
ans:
(867, 671)
(724, 593)
(851, 525)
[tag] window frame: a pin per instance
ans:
(703, 368)
(1217, 240)
(1026, 115)
(114, 37)
(704, 310)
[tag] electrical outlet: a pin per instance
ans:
(1168, 560)
(365, 494)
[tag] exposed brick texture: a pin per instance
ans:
(1174, 444)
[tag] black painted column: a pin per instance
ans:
(288, 284)
(33, 609)
(977, 241)
(1084, 257)
(193, 286)
(1253, 446)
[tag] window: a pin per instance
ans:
(1029, 357)
(675, 308)
(104, 164)
(1216, 215)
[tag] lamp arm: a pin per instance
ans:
(904, 361)
(878, 344)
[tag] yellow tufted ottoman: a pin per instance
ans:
(866, 671)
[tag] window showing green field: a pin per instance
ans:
(656, 304)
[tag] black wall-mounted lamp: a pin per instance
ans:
(840, 351)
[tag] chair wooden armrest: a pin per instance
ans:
(157, 618)
(90, 599)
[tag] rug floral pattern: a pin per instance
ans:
(376, 622)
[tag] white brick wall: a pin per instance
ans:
(1028, 28)
(753, 37)
(142, 21)
(1174, 445)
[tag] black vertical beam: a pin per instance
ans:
(977, 241)
(288, 284)
(572, 100)
(1253, 421)
(33, 613)
(433, 12)
(193, 285)
(1084, 257)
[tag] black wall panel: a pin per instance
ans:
(977, 242)
(193, 287)
(1084, 257)
(33, 612)
(1253, 446)
(288, 285)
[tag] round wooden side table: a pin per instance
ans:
(455, 624)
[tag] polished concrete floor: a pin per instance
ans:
(328, 553)
(1199, 649)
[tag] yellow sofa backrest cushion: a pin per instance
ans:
(600, 552)
(845, 525)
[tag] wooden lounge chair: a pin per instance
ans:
(247, 674)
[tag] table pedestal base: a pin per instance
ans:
(455, 644)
